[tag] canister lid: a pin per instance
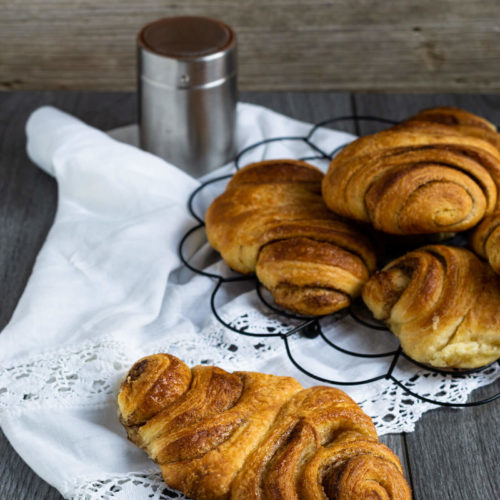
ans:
(187, 52)
(186, 36)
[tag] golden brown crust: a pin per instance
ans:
(249, 435)
(273, 221)
(141, 398)
(449, 115)
(308, 275)
(281, 172)
(486, 240)
(354, 466)
(442, 303)
(438, 171)
(312, 420)
(201, 438)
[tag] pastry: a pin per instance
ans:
(437, 172)
(486, 240)
(442, 303)
(486, 237)
(272, 220)
(245, 435)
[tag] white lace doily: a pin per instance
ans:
(89, 376)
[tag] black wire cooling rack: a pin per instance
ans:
(311, 326)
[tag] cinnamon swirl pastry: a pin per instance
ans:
(486, 240)
(437, 172)
(245, 435)
(272, 220)
(442, 303)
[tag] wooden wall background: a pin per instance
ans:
(388, 45)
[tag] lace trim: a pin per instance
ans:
(90, 375)
(124, 486)
(395, 411)
(70, 377)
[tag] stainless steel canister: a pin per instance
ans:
(188, 91)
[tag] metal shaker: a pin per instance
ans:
(188, 92)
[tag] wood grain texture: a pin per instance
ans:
(451, 455)
(283, 44)
(461, 448)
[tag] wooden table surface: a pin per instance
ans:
(452, 454)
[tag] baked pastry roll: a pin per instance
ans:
(486, 240)
(442, 303)
(486, 237)
(272, 220)
(437, 172)
(245, 435)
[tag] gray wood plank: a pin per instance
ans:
(400, 106)
(283, 44)
(397, 443)
(311, 107)
(18, 481)
(453, 454)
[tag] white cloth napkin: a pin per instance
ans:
(108, 287)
